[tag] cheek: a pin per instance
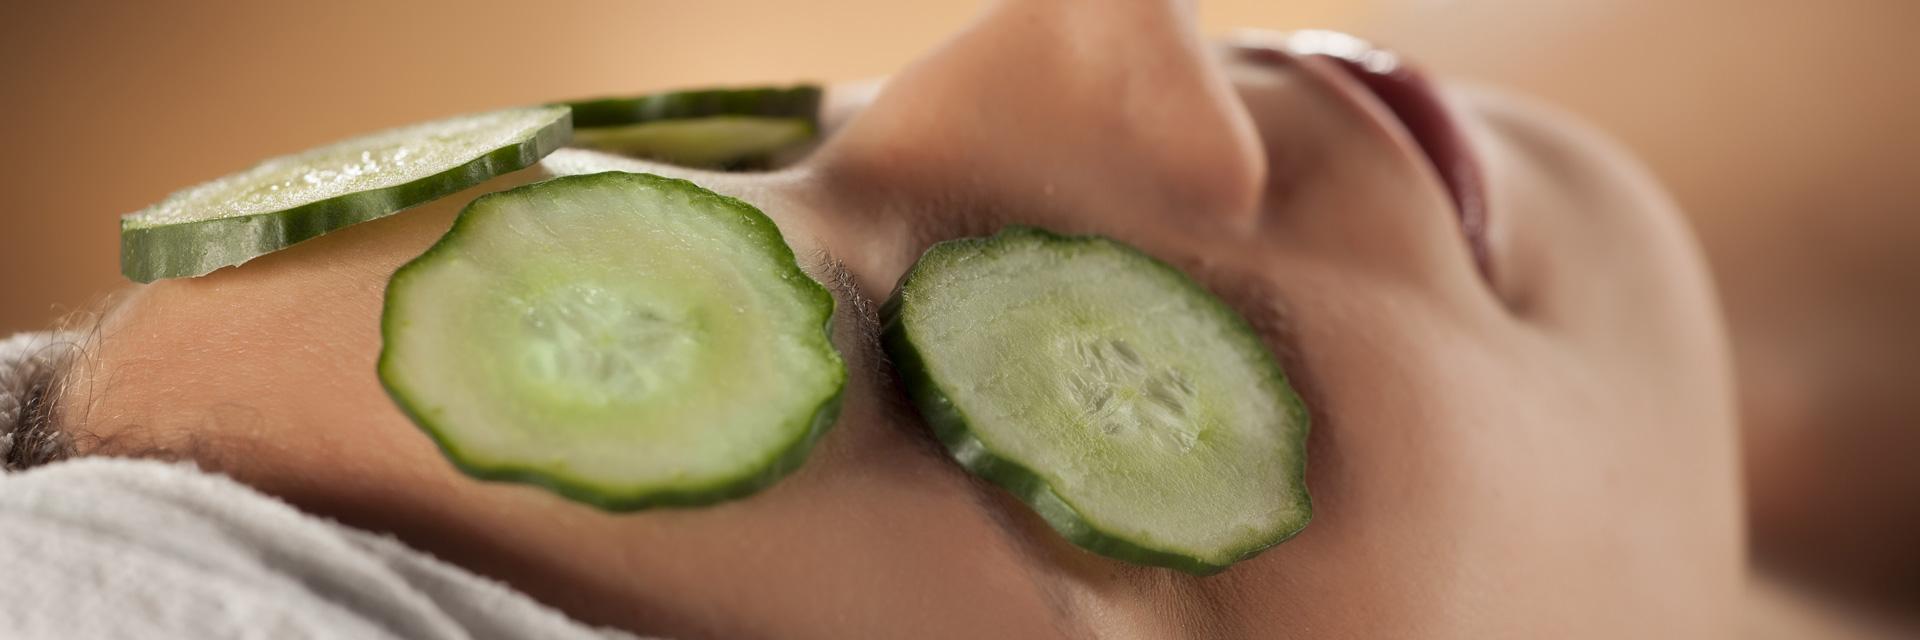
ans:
(1451, 455)
(1593, 250)
(1618, 295)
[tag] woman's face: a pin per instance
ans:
(1520, 430)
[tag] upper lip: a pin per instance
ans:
(1417, 107)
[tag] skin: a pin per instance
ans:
(1548, 453)
(1808, 229)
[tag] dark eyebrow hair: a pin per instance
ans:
(30, 386)
(1020, 529)
(851, 303)
(867, 359)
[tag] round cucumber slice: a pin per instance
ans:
(712, 128)
(625, 340)
(292, 198)
(1137, 413)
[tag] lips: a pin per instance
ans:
(1406, 93)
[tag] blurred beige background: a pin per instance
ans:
(109, 106)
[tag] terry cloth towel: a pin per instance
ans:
(21, 356)
(118, 548)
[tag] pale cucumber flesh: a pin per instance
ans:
(1131, 408)
(625, 339)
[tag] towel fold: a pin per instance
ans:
(119, 548)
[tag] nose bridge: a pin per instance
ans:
(1092, 107)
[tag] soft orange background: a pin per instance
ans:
(109, 106)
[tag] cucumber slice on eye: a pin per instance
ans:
(1137, 413)
(625, 340)
(292, 198)
(715, 128)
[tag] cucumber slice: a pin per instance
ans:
(297, 197)
(801, 101)
(1137, 413)
(715, 128)
(625, 340)
(714, 142)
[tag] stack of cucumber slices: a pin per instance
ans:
(634, 341)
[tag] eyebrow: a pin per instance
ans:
(1019, 533)
(861, 310)
(895, 408)
(864, 313)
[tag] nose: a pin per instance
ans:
(1056, 112)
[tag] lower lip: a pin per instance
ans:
(1411, 98)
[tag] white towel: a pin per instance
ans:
(119, 548)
